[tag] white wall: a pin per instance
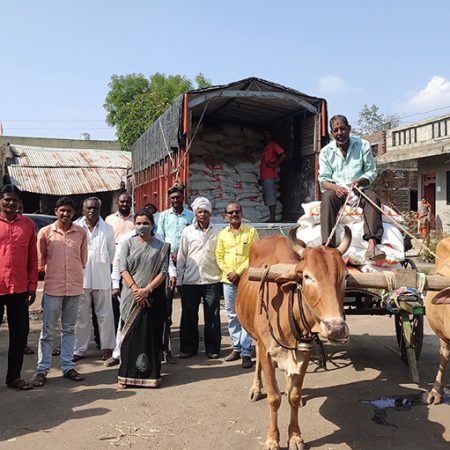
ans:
(439, 165)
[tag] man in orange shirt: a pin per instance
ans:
(62, 255)
(273, 156)
(122, 222)
(18, 278)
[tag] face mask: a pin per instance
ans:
(143, 229)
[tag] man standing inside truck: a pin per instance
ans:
(273, 155)
(171, 224)
(345, 163)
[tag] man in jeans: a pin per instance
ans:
(62, 255)
(233, 253)
(198, 278)
(18, 278)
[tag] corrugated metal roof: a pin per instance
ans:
(55, 157)
(66, 181)
(67, 172)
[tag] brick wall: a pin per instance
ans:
(377, 141)
(395, 182)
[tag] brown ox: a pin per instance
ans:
(321, 273)
(438, 316)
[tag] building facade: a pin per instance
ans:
(427, 144)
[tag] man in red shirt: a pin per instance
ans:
(273, 156)
(18, 278)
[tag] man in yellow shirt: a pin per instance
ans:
(232, 253)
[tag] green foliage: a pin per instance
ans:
(134, 102)
(122, 90)
(371, 120)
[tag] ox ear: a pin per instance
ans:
(442, 297)
(287, 277)
(297, 246)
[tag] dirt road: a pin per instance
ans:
(204, 404)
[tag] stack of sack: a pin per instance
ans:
(224, 166)
(392, 243)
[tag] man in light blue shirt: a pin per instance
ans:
(345, 163)
(171, 224)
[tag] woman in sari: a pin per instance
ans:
(143, 266)
(424, 218)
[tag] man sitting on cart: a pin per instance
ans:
(344, 164)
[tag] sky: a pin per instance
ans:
(57, 57)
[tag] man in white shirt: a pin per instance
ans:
(198, 276)
(96, 282)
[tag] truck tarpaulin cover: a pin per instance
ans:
(151, 146)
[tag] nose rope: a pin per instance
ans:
(304, 341)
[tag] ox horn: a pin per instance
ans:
(346, 241)
(293, 241)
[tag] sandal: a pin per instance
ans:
(73, 375)
(39, 380)
(374, 255)
(20, 385)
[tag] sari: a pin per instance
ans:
(142, 331)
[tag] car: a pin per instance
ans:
(40, 220)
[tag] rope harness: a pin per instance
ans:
(303, 334)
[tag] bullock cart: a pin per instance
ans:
(396, 293)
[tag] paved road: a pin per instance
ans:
(204, 404)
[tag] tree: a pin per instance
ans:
(371, 120)
(134, 102)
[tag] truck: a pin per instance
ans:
(211, 141)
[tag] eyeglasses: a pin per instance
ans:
(233, 212)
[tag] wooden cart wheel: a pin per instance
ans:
(409, 332)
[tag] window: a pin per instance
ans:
(439, 129)
(393, 140)
(374, 149)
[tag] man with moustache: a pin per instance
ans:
(62, 255)
(198, 277)
(345, 163)
(18, 279)
(96, 282)
(233, 254)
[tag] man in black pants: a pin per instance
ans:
(198, 277)
(18, 278)
(346, 163)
